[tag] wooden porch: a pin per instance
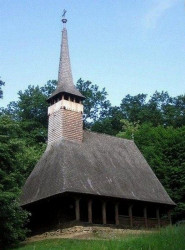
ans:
(61, 211)
(117, 218)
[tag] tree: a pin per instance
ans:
(31, 111)
(160, 109)
(17, 161)
(128, 129)
(134, 107)
(11, 215)
(96, 105)
(111, 123)
(1, 91)
(178, 116)
(13, 218)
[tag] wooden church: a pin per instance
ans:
(89, 178)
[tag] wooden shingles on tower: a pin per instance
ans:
(65, 79)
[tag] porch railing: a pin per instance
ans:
(140, 221)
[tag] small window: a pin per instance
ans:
(65, 97)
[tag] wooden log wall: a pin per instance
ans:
(139, 222)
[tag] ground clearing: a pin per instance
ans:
(167, 238)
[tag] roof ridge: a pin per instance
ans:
(104, 134)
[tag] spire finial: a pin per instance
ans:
(64, 20)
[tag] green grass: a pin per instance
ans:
(168, 238)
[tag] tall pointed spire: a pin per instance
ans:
(65, 79)
(66, 109)
(65, 74)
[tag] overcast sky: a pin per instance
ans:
(128, 47)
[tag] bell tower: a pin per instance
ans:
(66, 109)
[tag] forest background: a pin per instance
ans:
(156, 123)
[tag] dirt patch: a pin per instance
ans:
(96, 233)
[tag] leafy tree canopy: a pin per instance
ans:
(96, 105)
(17, 161)
(160, 109)
(1, 91)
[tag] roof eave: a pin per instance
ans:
(172, 204)
(65, 92)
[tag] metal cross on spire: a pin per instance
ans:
(64, 13)
(64, 20)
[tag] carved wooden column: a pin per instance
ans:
(130, 215)
(77, 208)
(117, 214)
(145, 216)
(158, 217)
(90, 211)
(169, 217)
(104, 212)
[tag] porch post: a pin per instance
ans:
(104, 212)
(169, 217)
(158, 217)
(145, 217)
(90, 211)
(130, 215)
(77, 208)
(117, 214)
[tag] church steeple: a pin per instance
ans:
(65, 74)
(66, 108)
(65, 79)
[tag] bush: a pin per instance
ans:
(12, 220)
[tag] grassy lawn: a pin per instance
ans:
(168, 238)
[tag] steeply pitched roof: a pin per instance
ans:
(65, 79)
(101, 165)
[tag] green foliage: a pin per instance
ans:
(13, 219)
(111, 123)
(128, 129)
(168, 238)
(133, 107)
(161, 109)
(17, 161)
(96, 105)
(31, 111)
(1, 91)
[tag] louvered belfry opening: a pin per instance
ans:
(66, 109)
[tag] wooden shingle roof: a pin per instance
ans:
(65, 79)
(101, 165)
